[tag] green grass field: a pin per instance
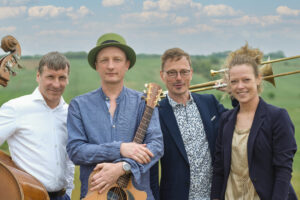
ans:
(83, 79)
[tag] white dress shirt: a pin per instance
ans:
(37, 137)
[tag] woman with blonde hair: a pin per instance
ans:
(255, 145)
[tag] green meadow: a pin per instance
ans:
(83, 79)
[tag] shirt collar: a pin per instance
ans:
(174, 104)
(39, 97)
(106, 98)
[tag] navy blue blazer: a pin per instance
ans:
(175, 169)
(271, 148)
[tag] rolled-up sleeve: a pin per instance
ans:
(154, 142)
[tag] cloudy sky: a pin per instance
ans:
(152, 26)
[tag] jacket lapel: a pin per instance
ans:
(227, 137)
(167, 114)
(257, 122)
(205, 117)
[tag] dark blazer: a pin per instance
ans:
(175, 169)
(271, 148)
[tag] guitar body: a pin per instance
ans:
(115, 192)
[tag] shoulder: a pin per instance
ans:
(19, 102)
(133, 93)
(204, 97)
(86, 97)
(274, 112)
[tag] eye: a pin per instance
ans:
(63, 78)
(172, 73)
(233, 81)
(103, 60)
(118, 60)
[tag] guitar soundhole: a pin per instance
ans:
(116, 193)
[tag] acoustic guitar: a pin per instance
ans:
(124, 189)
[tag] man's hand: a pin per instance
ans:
(107, 175)
(138, 152)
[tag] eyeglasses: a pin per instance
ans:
(174, 73)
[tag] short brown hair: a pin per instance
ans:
(55, 61)
(174, 54)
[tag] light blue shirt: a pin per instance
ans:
(94, 138)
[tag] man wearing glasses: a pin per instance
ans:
(189, 123)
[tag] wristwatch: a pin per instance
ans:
(126, 167)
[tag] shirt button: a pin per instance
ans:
(113, 126)
(55, 146)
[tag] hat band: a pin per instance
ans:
(109, 41)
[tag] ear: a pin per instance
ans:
(162, 76)
(38, 77)
(127, 64)
(259, 80)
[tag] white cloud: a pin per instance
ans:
(80, 13)
(8, 29)
(244, 20)
(8, 12)
(108, 3)
(166, 5)
(284, 10)
(180, 20)
(47, 11)
(145, 16)
(65, 33)
(197, 29)
(147, 5)
(219, 10)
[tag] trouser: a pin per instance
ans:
(64, 197)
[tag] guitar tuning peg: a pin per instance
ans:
(143, 98)
(146, 84)
(20, 66)
(144, 91)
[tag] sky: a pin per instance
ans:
(200, 27)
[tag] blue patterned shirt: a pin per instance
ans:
(94, 138)
(196, 146)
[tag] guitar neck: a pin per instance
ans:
(138, 138)
(142, 129)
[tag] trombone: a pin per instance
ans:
(266, 72)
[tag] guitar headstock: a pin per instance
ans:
(8, 62)
(153, 94)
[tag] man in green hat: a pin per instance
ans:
(102, 123)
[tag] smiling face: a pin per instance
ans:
(52, 84)
(243, 83)
(177, 75)
(111, 64)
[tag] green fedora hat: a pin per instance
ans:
(108, 40)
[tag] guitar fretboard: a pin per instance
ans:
(138, 138)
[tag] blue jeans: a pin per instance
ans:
(65, 197)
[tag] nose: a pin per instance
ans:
(178, 76)
(56, 83)
(110, 64)
(240, 84)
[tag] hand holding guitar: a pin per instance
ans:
(138, 152)
(107, 174)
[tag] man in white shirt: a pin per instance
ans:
(34, 127)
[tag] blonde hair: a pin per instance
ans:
(244, 55)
